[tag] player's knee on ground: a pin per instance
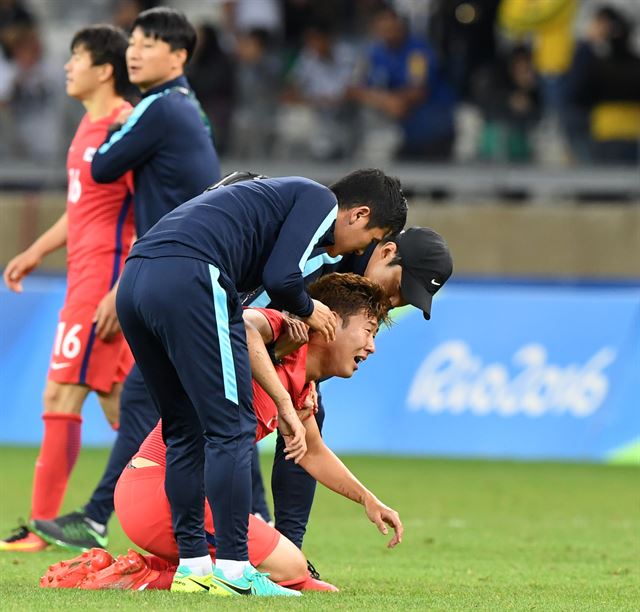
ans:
(285, 563)
(110, 403)
(64, 398)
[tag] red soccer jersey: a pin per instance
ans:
(100, 216)
(292, 374)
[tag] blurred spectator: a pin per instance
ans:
(416, 13)
(211, 74)
(407, 104)
(507, 94)
(126, 11)
(7, 76)
(13, 13)
(299, 15)
(313, 121)
(241, 16)
(463, 35)
(604, 89)
(257, 85)
(14, 16)
(35, 96)
(550, 26)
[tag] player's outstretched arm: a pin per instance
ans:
(259, 333)
(321, 463)
(27, 261)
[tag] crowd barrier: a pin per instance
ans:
(503, 370)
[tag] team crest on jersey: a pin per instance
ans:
(88, 154)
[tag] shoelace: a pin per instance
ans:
(19, 533)
(313, 571)
(72, 517)
(262, 578)
(77, 529)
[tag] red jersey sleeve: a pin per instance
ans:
(275, 319)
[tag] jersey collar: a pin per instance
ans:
(180, 81)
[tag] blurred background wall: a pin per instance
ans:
(520, 146)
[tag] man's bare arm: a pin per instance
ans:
(27, 261)
(321, 463)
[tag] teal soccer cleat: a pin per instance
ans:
(252, 582)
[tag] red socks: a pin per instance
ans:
(308, 583)
(296, 584)
(165, 569)
(58, 454)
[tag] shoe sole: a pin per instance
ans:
(28, 548)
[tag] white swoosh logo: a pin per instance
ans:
(433, 282)
(59, 366)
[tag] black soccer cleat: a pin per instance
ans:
(72, 531)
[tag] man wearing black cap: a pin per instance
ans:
(411, 267)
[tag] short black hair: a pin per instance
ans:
(169, 25)
(106, 44)
(381, 193)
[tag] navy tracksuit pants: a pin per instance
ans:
(183, 321)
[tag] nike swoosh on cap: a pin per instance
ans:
(433, 282)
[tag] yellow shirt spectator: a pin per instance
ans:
(550, 22)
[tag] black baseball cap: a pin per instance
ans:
(426, 266)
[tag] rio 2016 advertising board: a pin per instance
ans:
(513, 371)
(504, 370)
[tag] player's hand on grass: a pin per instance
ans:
(294, 334)
(382, 516)
(322, 320)
(293, 432)
(19, 267)
(106, 317)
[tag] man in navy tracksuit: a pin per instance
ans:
(166, 141)
(179, 307)
(411, 268)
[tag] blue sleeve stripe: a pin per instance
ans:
(261, 301)
(318, 261)
(322, 229)
(224, 340)
(131, 121)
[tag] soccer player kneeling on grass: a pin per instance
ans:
(141, 503)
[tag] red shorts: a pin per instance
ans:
(79, 357)
(143, 510)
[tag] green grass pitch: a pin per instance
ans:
(478, 536)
